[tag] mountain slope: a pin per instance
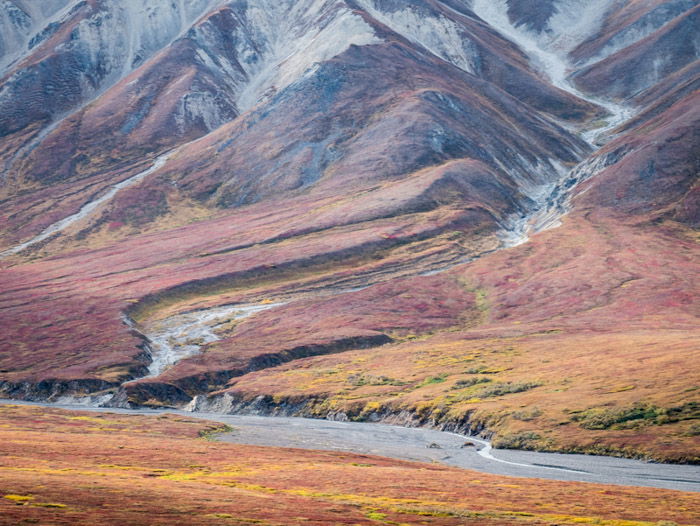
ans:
(360, 179)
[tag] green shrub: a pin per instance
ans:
(521, 440)
(461, 384)
(484, 370)
(527, 414)
(694, 430)
(505, 388)
(606, 418)
(433, 380)
(636, 416)
(359, 380)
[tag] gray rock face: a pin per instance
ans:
(91, 85)
(107, 83)
(24, 23)
(633, 69)
(348, 87)
(533, 14)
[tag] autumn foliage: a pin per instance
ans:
(59, 467)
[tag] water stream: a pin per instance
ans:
(550, 57)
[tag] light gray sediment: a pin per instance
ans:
(428, 445)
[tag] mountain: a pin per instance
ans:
(436, 212)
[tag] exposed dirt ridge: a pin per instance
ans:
(136, 393)
(313, 407)
(154, 392)
(317, 408)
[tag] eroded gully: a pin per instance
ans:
(550, 58)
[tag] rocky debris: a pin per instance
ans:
(52, 390)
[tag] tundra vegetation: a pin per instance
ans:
(71, 468)
(392, 174)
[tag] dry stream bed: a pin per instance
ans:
(427, 445)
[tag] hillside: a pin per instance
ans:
(476, 215)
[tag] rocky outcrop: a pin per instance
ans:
(182, 390)
(642, 65)
(314, 407)
(52, 390)
(90, 99)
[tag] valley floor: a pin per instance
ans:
(65, 467)
(422, 444)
